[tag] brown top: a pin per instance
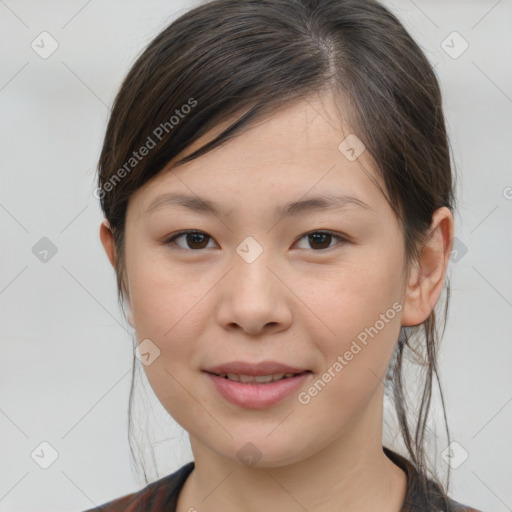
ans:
(162, 495)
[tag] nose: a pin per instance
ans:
(254, 298)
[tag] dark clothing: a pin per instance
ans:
(162, 495)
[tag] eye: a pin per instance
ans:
(194, 239)
(321, 239)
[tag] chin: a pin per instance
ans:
(263, 452)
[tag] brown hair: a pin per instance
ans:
(244, 59)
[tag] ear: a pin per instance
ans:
(426, 277)
(107, 240)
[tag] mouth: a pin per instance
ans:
(257, 391)
(258, 379)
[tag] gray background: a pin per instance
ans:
(66, 352)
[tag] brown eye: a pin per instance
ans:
(193, 239)
(321, 240)
(197, 240)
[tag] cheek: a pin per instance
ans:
(360, 312)
(164, 300)
(164, 307)
(364, 324)
(351, 301)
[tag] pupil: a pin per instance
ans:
(196, 238)
(318, 237)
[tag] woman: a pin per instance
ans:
(278, 197)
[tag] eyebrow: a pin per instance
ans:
(314, 204)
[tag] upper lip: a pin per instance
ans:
(254, 369)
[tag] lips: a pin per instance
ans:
(256, 379)
(248, 385)
(253, 395)
(255, 369)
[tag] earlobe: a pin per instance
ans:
(427, 276)
(107, 240)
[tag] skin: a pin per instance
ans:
(300, 302)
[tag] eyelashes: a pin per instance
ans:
(192, 235)
(197, 240)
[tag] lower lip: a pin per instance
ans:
(257, 396)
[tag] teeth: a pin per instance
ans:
(262, 379)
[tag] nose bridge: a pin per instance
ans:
(251, 261)
(250, 250)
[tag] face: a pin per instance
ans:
(314, 288)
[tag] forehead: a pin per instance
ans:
(299, 150)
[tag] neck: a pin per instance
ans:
(351, 473)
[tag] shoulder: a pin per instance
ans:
(455, 506)
(159, 495)
(423, 494)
